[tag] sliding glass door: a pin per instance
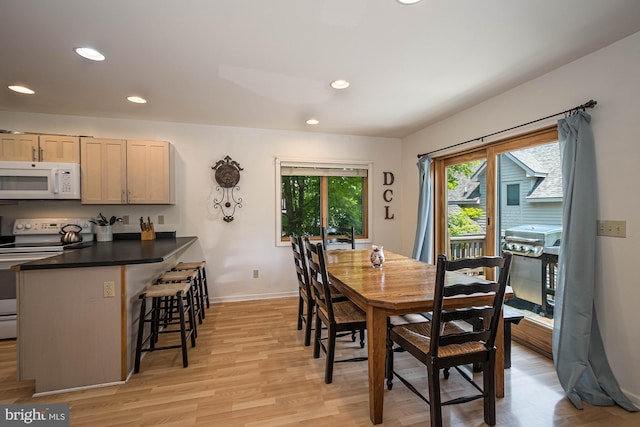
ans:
(507, 195)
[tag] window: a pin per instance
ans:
(513, 194)
(312, 195)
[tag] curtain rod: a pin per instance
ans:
(589, 104)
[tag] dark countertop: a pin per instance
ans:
(117, 252)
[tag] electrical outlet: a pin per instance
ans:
(109, 289)
(256, 274)
(125, 219)
(160, 219)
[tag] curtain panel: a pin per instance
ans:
(578, 351)
(423, 244)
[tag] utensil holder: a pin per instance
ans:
(149, 234)
(104, 233)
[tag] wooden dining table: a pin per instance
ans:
(401, 286)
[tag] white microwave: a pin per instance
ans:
(39, 180)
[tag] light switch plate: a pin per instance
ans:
(612, 228)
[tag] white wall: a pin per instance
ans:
(609, 76)
(232, 250)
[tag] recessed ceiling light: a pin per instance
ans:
(313, 121)
(92, 54)
(21, 89)
(340, 84)
(136, 99)
(408, 1)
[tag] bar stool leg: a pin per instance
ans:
(183, 327)
(204, 285)
(140, 333)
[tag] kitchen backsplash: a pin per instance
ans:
(72, 208)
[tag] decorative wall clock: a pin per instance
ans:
(227, 176)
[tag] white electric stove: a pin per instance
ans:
(35, 238)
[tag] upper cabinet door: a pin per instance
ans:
(149, 172)
(59, 148)
(21, 148)
(103, 164)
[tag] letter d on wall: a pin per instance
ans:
(388, 178)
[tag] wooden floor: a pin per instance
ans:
(249, 368)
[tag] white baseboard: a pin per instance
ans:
(632, 397)
(253, 297)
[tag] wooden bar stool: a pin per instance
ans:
(163, 297)
(202, 276)
(192, 277)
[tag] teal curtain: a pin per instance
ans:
(423, 244)
(578, 352)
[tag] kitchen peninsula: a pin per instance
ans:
(78, 311)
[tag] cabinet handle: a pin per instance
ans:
(123, 199)
(41, 154)
(33, 154)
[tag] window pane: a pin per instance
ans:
(513, 194)
(466, 209)
(301, 205)
(531, 228)
(346, 202)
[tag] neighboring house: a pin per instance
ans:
(530, 188)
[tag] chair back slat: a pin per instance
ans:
(470, 288)
(486, 332)
(467, 313)
(318, 277)
(338, 235)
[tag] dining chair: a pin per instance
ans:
(443, 343)
(306, 302)
(338, 235)
(335, 316)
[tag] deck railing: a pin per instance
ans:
(467, 246)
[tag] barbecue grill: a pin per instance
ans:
(535, 248)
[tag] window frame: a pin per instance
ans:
(283, 162)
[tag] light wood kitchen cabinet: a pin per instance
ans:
(59, 148)
(40, 148)
(116, 171)
(150, 172)
(18, 147)
(104, 174)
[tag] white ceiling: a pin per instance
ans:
(268, 63)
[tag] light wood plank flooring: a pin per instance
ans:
(250, 368)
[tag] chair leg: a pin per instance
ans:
(316, 343)
(361, 338)
(435, 402)
(308, 323)
(143, 308)
(331, 349)
(389, 363)
(489, 385)
(300, 311)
